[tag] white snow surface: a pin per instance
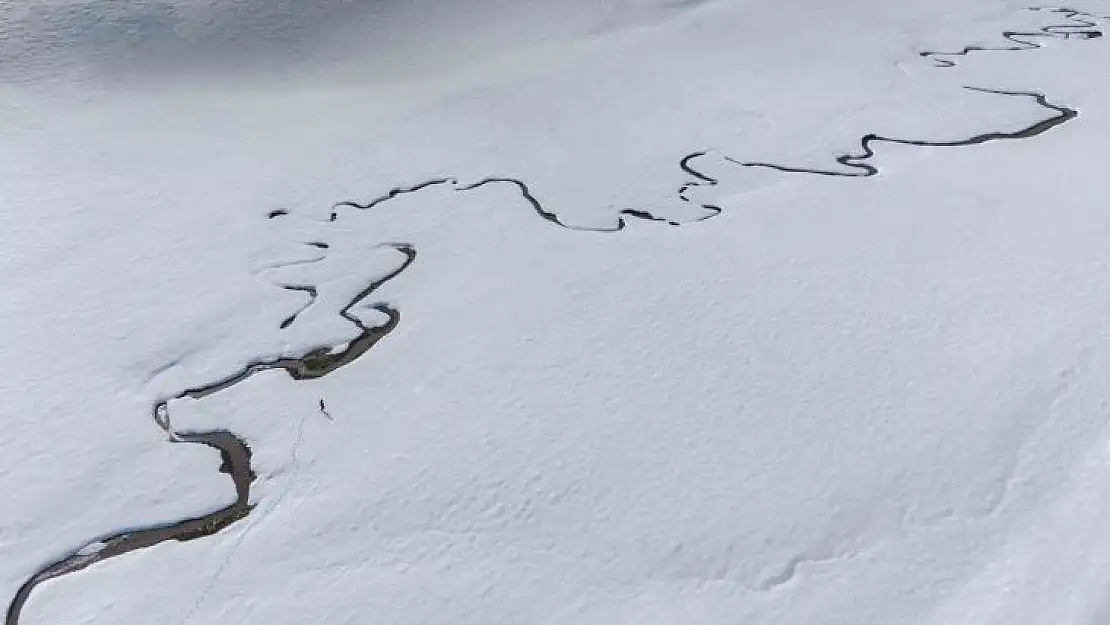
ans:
(842, 400)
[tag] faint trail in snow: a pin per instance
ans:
(251, 524)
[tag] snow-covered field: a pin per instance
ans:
(659, 358)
